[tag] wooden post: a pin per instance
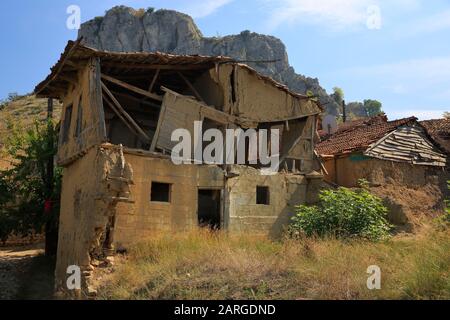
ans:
(344, 112)
(51, 226)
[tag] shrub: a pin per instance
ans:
(24, 188)
(443, 221)
(343, 213)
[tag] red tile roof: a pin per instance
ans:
(350, 125)
(439, 131)
(359, 135)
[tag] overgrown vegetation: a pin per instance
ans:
(204, 265)
(29, 198)
(343, 213)
(443, 221)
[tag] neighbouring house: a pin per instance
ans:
(402, 160)
(439, 131)
(119, 182)
(377, 149)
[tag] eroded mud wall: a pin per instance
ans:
(348, 170)
(245, 215)
(82, 122)
(91, 189)
(144, 217)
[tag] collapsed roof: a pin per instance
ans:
(439, 131)
(76, 53)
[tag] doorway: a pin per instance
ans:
(209, 208)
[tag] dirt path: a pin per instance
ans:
(24, 273)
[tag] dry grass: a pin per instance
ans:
(25, 110)
(202, 265)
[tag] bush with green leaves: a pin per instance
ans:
(25, 187)
(443, 221)
(343, 213)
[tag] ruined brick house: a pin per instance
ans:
(439, 132)
(119, 182)
(376, 149)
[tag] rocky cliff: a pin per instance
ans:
(125, 29)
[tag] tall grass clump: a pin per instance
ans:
(218, 266)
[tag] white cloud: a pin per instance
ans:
(409, 75)
(423, 83)
(201, 9)
(333, 14)
(420, 113)
(433, 23)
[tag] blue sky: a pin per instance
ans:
(396, 51)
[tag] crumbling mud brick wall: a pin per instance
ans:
(285, 191)
(412, 193)
(144, 218)
(92, 188)
(346, 171)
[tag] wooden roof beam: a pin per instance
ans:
(143, 101)
(124, 116)
(132, 88)
(157, 66)
(189, 84)
(155, 77)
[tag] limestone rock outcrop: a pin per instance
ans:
(124, 29)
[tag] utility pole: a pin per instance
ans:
(51, 227)
(344, 112)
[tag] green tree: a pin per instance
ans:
(29, 193)
(338, 95)
(373, 107)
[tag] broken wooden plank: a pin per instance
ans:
(132, 88)
(143, 101)
(121, 117)
(95, 88)
(158, 127)
(150, 88)
(191, 87)
(131, 121)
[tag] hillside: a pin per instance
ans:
(23, 110)
(124, 29)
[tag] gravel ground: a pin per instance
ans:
(16, 264)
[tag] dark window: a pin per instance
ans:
(209, 208)
(161, 192)
(233, 85)
(66, 125)
(79, 118)
(262, 195)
